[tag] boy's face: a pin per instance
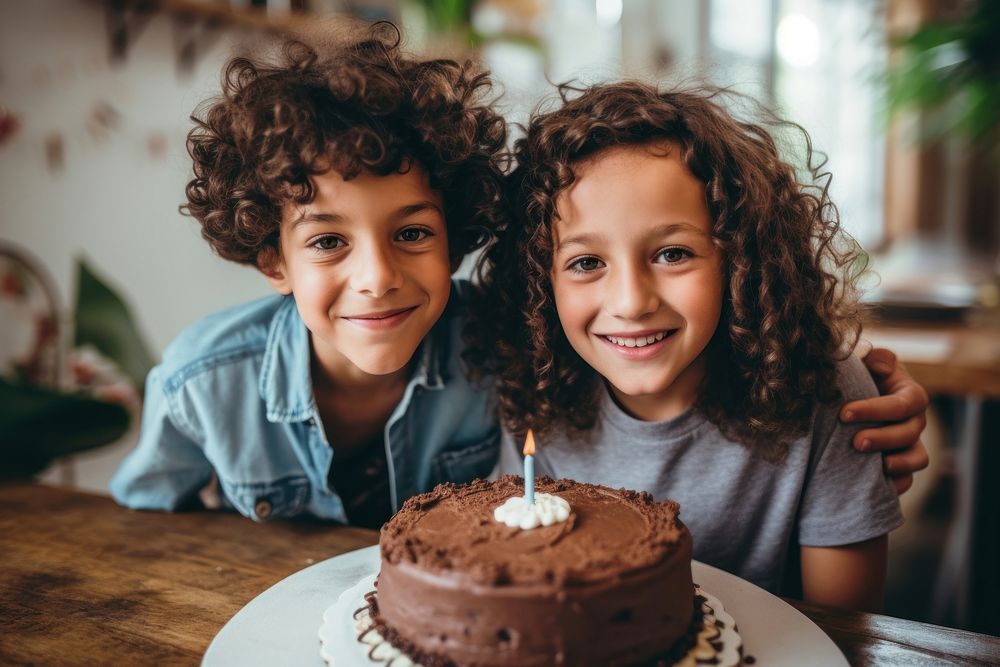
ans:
(636, 276)
(367, 261)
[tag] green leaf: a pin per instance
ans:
(103, 320)
(930, 36)
(917, 85)
(950, 71)
(448, 14)
(38, 425)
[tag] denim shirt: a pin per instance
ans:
(233, 398)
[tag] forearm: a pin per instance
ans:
(847, 577)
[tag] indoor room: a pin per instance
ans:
(737, 257)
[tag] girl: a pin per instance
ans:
(679, 319)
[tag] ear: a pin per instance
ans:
(270, 264)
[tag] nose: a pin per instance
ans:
(375, 272)
(631, 293)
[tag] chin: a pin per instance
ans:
(638, 389)
(380, 366)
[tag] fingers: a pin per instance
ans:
(863, 348)
(902, 484)
(908, 401)
(880, 361)
(894, 436)
(906, 461)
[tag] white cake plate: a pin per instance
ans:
(279, 626)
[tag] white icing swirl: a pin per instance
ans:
(545, 511)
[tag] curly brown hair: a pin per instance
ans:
(359, 106)
(788, 310)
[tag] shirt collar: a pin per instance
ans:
(285, 383)
(434, 353)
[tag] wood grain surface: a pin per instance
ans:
(86, 582)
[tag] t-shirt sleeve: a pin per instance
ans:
(847, 497)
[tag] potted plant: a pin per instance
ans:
(66, 386)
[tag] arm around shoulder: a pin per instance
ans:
(902, 409)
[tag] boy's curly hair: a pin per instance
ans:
(358, 106)
(787, 313)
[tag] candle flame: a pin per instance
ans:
(529, 444)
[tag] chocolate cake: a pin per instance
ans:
(610, 585)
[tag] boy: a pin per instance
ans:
(355, 182)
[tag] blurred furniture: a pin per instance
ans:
(84, 581)
(962, 360)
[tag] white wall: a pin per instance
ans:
(113, 202)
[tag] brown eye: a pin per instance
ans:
(327, 243)
(412, 234)
(586, 264)
(674, 255)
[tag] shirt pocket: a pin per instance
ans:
(467, 462)
(262, 501)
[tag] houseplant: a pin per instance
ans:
(71, 383)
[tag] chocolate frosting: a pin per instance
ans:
(612, 585)
(610, 532)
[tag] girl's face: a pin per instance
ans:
(636, 276)
(367, 261)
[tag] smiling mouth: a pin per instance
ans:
(384, 315)
(639, 341)
(384, 320)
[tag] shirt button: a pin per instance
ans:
(262, 509)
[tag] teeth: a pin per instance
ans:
(641, 341)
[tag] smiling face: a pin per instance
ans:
(367, 261)
(636, 277)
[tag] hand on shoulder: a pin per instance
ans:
(902, 407)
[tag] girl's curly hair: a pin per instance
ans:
(359, 106)
(788, 314)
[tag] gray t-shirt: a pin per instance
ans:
(747, 515)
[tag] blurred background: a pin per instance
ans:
(99, 271)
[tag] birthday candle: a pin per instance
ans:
(529, 468)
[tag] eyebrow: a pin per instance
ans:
(660, 230)
(306, 218)
(418, 207)
(399, 214)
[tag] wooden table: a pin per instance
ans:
(83, 581)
